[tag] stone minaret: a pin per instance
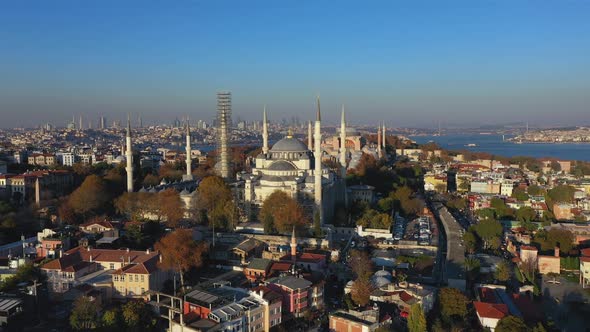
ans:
(293, 246)
(129, 157)
(223, 132)
(343, 143)
(379, 153)
(309, 137)
(189, 161)
(264, 132)
(318, 163)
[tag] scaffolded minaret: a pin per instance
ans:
(343, 143)
(264, 132)
(223, 124)
(129, 156)
(189, 161)
(318, 164)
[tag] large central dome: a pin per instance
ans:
(289, 144)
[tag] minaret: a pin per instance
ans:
(318, 163)
(309, 137)
(343, 143)
(129, 157)
(293, 246)
(379, 154)
(189, 152)
(264, 132)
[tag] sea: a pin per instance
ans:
(494, 144)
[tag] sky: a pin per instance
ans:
(408, 63)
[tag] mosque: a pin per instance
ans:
(295, 168)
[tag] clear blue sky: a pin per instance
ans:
(407, 62)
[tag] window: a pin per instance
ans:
(116, 277)
(122, 277)
(112, 266)
(136, 278)
(142, 278)
(142, 290)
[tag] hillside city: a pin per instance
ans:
(284, 226)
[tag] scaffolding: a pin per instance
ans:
(223, 132)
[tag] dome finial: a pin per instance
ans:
(290, 133)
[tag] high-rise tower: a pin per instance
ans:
(129, 156)
(189, 160)
(343, 143)
(318, 164)
(223, 125)
(264, 132)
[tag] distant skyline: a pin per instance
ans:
(409, 63)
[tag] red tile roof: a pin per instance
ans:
(281, 266)
(585, 252)
(528, 248)
(491, 310)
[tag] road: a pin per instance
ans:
(453, 269)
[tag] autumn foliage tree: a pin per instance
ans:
(283, 212)
(215, 203)
(90, 198)
(180, 252)
(453, 304)
(361, 291)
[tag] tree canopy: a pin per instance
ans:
(511, 324)
(84, 315)
(280, 212)
(453, 304)
(90, 198)
(180, 252)
(215, 203)
(416, 319)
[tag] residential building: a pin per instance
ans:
(295, 293)
(354, 321)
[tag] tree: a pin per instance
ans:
(416, 319)
(555, 237)
(511, 324)
(561, 194)
(520, 194)
(180, 252)
(84, 314)
(535, 190)
(361, 291)
(90, 198)
(215, 201)
(555, 166)
(112, 320)
(470, 242)
(489, 231)
(170, 207)
(284, 211)
(502, 272)
(134, 205)
(360, 264)
(138, 316)
(472, 266)
(373, 219)
(526, 214)
(150, 180)
(453, 304)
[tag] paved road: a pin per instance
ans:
(455, 255)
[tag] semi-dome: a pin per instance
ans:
(282, 166)
(289, 144)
